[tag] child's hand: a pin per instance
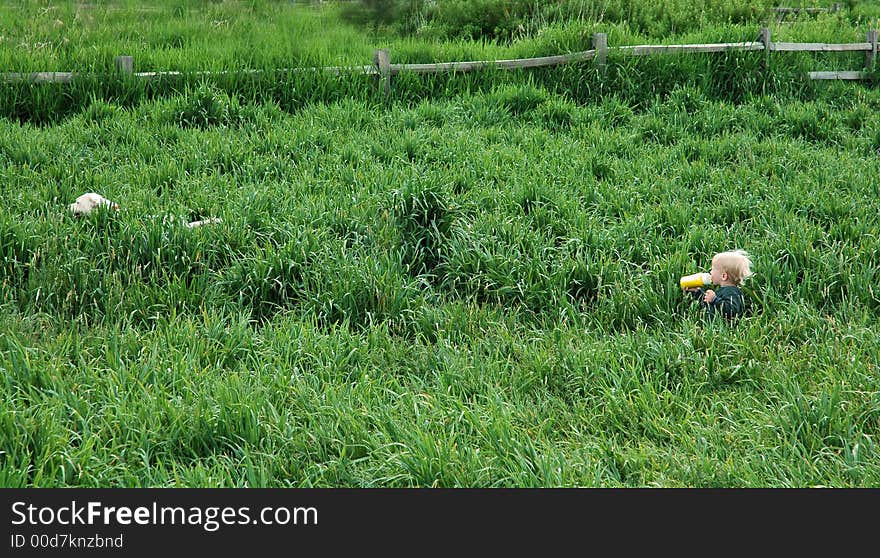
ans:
(709, 296)
(695, 292)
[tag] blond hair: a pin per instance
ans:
(736, 263)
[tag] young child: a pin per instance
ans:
(729, 271)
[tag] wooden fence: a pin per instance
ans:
(384, 69)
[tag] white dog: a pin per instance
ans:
(209, 221)
(88, 202)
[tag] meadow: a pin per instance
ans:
(472, 284)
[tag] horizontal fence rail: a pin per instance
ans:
(647, 50)
(820, 47)
(805, 10)
(39, 77)
(514, 64)
(383, 69)
(849, 75)
(67, 77)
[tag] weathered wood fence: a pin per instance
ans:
(384, 69)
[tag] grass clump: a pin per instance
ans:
(424, 218)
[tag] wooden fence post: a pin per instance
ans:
(600, 43)
(871, 55)
(125, 64)
(382, 60)
(765, 38)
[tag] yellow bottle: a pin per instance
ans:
(695, 280)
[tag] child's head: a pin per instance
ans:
(732, 267)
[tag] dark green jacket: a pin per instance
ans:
(729, 302)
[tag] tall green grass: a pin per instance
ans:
(477, 289)
(266, 51)
(511, 21)
(471, 283)
(190, 35)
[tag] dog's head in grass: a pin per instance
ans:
(90, 201)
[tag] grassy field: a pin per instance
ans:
(211, 35)
(475, 284)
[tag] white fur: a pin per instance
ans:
(174, 220)
(210, 221)
(87, 202)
